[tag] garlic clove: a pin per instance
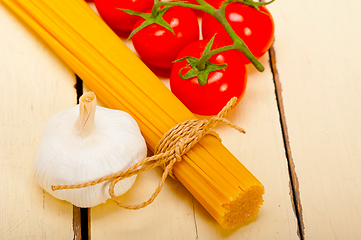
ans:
(65, 155)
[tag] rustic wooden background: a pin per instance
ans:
(302, 116)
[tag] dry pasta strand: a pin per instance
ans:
(216, 178)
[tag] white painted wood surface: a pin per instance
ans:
(318, 50)
(317, 46)
(34, 85)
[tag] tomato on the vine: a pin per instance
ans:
(157, 45)
(255, 28)
(221, 84)
(117, 19)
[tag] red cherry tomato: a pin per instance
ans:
(255, 28)
(158, 46)
(117, 19)
(221, 85)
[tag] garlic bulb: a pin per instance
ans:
(79, 145)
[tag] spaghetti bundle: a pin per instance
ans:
(227, 190)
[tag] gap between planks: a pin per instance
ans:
(294, 184)
(81, 216)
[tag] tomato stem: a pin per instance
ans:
(155, 8)
(155, 17)
(208, 54)
(205, 7)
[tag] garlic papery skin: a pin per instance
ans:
(84, 143)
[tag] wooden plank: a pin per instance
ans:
(261, 149)
(175, 214)
(317, 51)
(34, 85)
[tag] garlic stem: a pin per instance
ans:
(85, 122)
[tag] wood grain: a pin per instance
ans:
(34, 85)
(317, 50)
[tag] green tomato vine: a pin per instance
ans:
(201, 67)
(219, 14)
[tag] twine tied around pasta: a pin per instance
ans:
(169, 150)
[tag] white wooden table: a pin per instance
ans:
(302, 116)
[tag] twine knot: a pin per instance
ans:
(169, 150)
